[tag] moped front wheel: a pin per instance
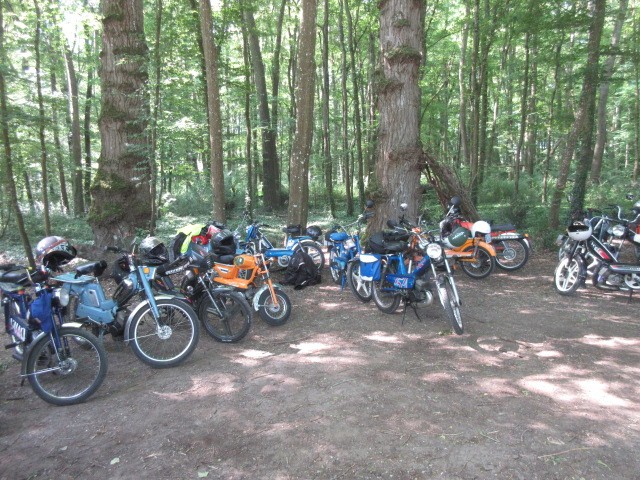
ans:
(168, 341)
(450, 304)
(70, 373)
(227, 317)
(272, 314)
(569, 275)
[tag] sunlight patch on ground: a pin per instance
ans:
(550, 354)
(499, 387)
(202, 387)
(330, 306)
(383, 337)
(309, 348)
(610, 342)
(255, 354)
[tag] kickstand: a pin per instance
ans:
(630, 294)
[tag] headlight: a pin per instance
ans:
(434, 251)
(239, 260)
(63, 296)
(618, 230)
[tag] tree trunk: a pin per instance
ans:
(523, 116)
(463, 158)
(41, 130)
(305, 86)
(249, 195)
(58, 148)
(601, 136)
(9, 179)
(154, 158)
(326, 125)
(346, 171)
(271, 177)
(275, 85)
(215, 113)
(76, 149)
(120, 192)
(90, 46)
(582, 123)
(400, 155)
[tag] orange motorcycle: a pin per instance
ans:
(248, 273)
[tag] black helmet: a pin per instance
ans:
(223, 243)
(154, 251)
(53, 252)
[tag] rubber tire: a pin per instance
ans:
(221, 328)
(43, 348)
(144, 316)
(485, 261)
(315, 252)
(335, 273)
(451, 307)
(386, 302)
(569, 275)
(362, 289)
(272, 317)
(522, 254)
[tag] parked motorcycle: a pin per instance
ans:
(607, 272)
(63, 363)
(395, 279)
(469, 247)
(162, 330)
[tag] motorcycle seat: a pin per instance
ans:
(502, 228)
(226, 259)
(19, 277)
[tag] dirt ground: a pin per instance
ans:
(539, 387)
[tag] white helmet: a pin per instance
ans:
(481, 227)
(579, 231)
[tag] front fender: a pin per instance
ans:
(133, 313)
(488, 247)
(23, 369)
(256, 296)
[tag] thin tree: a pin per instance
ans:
(9, 179)
(215, 114)
(326, 126)
(76, 148)
(305, 89)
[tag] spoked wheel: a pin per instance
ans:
(385, 297)
(272, 314)
(227, 318)
(450, 304)
(511, 254)
(481, 266)
(69, 374)
(569, 275)
(171, 340)
(315, 252)
(362, 289)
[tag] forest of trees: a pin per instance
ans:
(244, 104)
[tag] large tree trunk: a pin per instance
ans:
(346, 170)
(9, 179)
(120, 191)
(582, 124)
(154, 158)
(76, 149)
(305, 94)
(215, 114)
(271, 176)
(41, 131)
(400, 155)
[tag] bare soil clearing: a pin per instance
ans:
(540, 386)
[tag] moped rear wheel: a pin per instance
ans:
(315, 252)
(511, 254)
(362, 289)
(481, 266)
(450, 305)
(69, 374)
(386, 298)
(227, 317)
(169, 341)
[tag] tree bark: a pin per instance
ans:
(120, 192)
(154, 158)
(249, 195)
(400, 155)
(346, 170)
(326, 126)
(305, 90)
(271, 193)
(215, 114)
(58, 148)
(76, 148)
